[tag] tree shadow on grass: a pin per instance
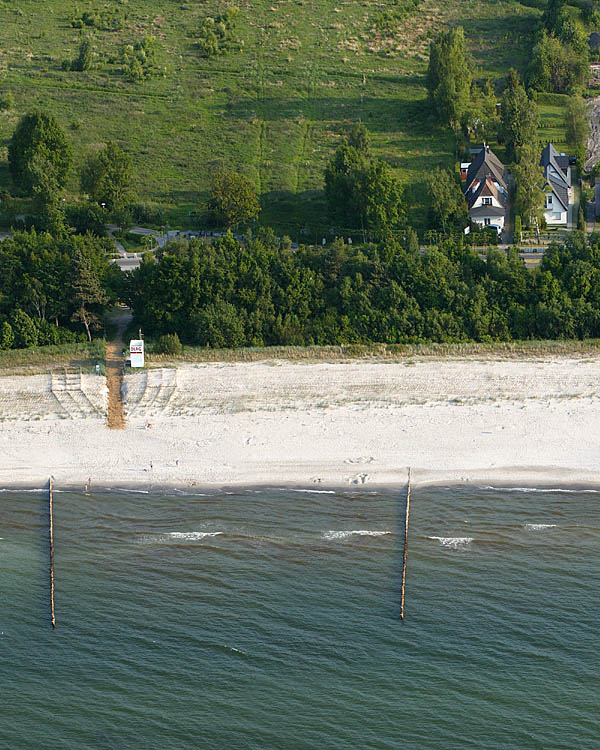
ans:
(380, 114)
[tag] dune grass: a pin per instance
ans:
(386, 352)
(43, 358)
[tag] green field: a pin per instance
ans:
(274, 110)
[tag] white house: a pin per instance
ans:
(486, 191)
(558, 190)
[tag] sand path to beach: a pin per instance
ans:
(114, 373)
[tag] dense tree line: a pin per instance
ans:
(228, 294)
(53, 290)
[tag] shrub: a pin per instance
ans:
(7, 101)
(25, 330)
(215, 34)
(7, 336)
(86, 217)
(147, 213)
(169, 344)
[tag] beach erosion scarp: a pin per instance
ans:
(532, 421)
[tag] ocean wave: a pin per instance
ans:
(193, 536)
(539, 526)
(453, 542)
(329, 535)
(315, 492)
(539, 489)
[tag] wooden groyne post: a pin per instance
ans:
(51, 534)
(405, 555)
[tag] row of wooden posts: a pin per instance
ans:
(51, 540)
(51, 534)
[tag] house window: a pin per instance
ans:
(486, 221)
(548, 201)
(486, 201)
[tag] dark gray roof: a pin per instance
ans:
(560, 191)
(563, 162)
(486, 163)
(594, 40)
(551, 158)
(486, 211)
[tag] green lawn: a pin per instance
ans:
(274, 110)
(551, 110)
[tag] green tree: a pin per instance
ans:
(107, 177)
(448, 207)
(481, 118)
(529, 181)
(359, 139)
(88, 294)
(361, 192)
(38, 135)
(577, 128)
(47, 194)
(7, 336)
(83, 61)
(382, 197)
(556, 66)
(554, 15)
(449, 76)
(24, 329)
(518, 121)
(233, 199)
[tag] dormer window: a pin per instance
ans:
(486, 201)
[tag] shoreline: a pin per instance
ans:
(503, 479)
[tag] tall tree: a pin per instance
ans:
(529, 181)
(577, 128)
(449, 76)
(107, 177)
(47, 194)
(88, 294)
(38, 135)
(361, 192)
(359, 138)
(556, 66)
(447, 202)
(553, 15)
(518, 120)
(233, 199)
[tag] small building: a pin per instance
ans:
(558, 190)
(486, 190)
(464, 168)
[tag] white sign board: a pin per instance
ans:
(136, 352)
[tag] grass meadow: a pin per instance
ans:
(273, 109)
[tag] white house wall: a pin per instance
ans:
(479, 202)
(497, 222)
(555, 217)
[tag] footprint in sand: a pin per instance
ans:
(358, 479)
(360, 460)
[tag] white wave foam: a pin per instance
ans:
(192, 536)
(316, 492)
(538, 489)
(539, 526)
(453, 542)
(356, 532)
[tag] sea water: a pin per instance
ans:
(269, 618)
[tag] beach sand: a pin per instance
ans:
(355, 423)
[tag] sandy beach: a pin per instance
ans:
(355, 423)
